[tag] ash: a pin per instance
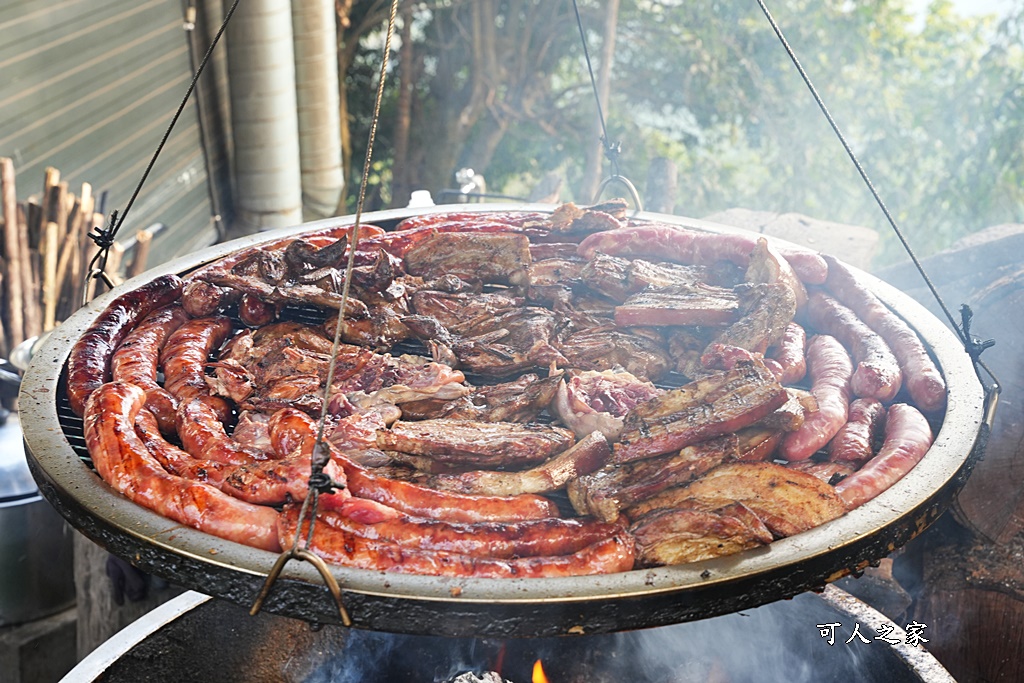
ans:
(486, 677)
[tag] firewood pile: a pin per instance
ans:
(45, 255)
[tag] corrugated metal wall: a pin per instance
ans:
(88, 87)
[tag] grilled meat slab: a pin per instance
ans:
(590, 453)
(786, 500)
(477, 444)
(698, 304)
(520, 400)
(678, 536)
(589, 401)
(500, 258)
(462, 308)
(717, 404)
(601, 348)
(613, 488)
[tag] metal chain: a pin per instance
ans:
(104, 237)
(972, 345)
(318, 481)
(612, 150)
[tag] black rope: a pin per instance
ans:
(973, 347)
(612, 150)
(104, 237)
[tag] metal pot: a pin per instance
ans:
(36, 577)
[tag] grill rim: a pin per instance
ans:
(529, 607)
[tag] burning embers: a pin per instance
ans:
(672, 358)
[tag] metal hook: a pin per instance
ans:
(321, 566)
(624, 181)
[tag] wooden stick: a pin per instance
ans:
(13, 297)
(33, 222)
(29, 290)
(54, 210)
(143, 239)
(67, 251)
(63, 205)
(50, 275)
(90, 252)
(79, 225)
(114, 258)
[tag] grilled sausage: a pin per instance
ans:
(830, 368)
(853, 443)
(254, 311)
(674, 243)
(923, 379)
(135, 361)
(202, 435)
(123, 461)
(184, 358)
(878, 372)
(202, 299)
(790, 354)
(614, 554)
(503, 540)
(88, 364)
(907, 438)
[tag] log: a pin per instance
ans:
(972, 600)
(13, 299)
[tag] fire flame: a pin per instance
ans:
(538, 673)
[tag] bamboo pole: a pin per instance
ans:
(29, 290)
(13, 292)
(50, 237)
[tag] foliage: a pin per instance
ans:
(933, 111)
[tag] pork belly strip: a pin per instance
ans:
(611, 489)
(711, 406)
(786, 500)
(615, 554)
(679, 536)
(680, 305)
(589, 454)
(468, 442)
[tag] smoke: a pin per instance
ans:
(780, 642)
